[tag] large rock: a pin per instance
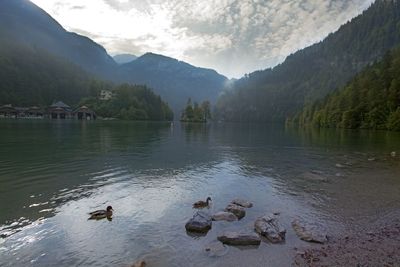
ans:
(242, 202)
(200, 223)
(309, 232)
(269, 227)
(224, 216)
(238, 239)
(239, 211)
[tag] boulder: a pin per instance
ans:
(309, 232)
(200, 223)
(224, 216)
(269, 227)
(243, 203)
(239, 211)
(238, 239)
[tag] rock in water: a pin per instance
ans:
(242, 202)
(224, 216)
(216, 249)
(139, 264)
(393, 154)
(269, 227)
(238, 239)
(237, 210)
(308, 232)
(200, 223)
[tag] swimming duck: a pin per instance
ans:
(101, 214)
(202, 204)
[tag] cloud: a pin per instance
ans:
(232, 36)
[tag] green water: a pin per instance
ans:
(52, 173)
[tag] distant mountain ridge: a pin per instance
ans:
(312, 73)
(124, 58)
(172, 77)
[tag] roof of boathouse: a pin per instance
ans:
(59, 105)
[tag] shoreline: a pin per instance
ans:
(376, 245)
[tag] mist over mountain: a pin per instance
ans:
(312, 73)
(124, 58)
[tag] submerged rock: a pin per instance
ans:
(269, 227)
(216, 249)
(309, 232)
(139, 264)
(393, 154)
(243, 203)
(238, 239)
(224, 216)
(200, 223)
(315, 176)
(239, 211)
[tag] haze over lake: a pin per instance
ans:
(52, 173)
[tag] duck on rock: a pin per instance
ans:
(101, 214)
(202, 204)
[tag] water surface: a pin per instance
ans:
(53, 173)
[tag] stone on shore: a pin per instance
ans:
(239, 211)
(200, 223)
(243, 203)
(309, 232)
(238, 239)
(269, 227)
(224, 216)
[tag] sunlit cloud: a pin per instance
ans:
(234, 37)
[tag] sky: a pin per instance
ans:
(233, 37)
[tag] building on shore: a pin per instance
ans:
(8, 111)
(84, 113)
(106, 95)
(60, 110)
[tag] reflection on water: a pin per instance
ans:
(53, 173)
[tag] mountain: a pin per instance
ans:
(22, 22)
(174, 80)
(124, 58)
(312, 73)
(371, 100)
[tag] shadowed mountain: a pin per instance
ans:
(312, 73)
(174, 80)
(24, 23)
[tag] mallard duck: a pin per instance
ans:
(101, 214)
(202, 204)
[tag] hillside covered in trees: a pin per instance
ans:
(131, 102)
(371, 100)
(312, 73)
(32, 76)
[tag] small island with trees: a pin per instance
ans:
(195, 112)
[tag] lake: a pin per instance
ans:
(52, 173)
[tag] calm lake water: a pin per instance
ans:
(53, 173)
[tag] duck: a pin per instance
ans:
(101, 214)
(202, 204)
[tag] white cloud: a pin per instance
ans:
(232, 36)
